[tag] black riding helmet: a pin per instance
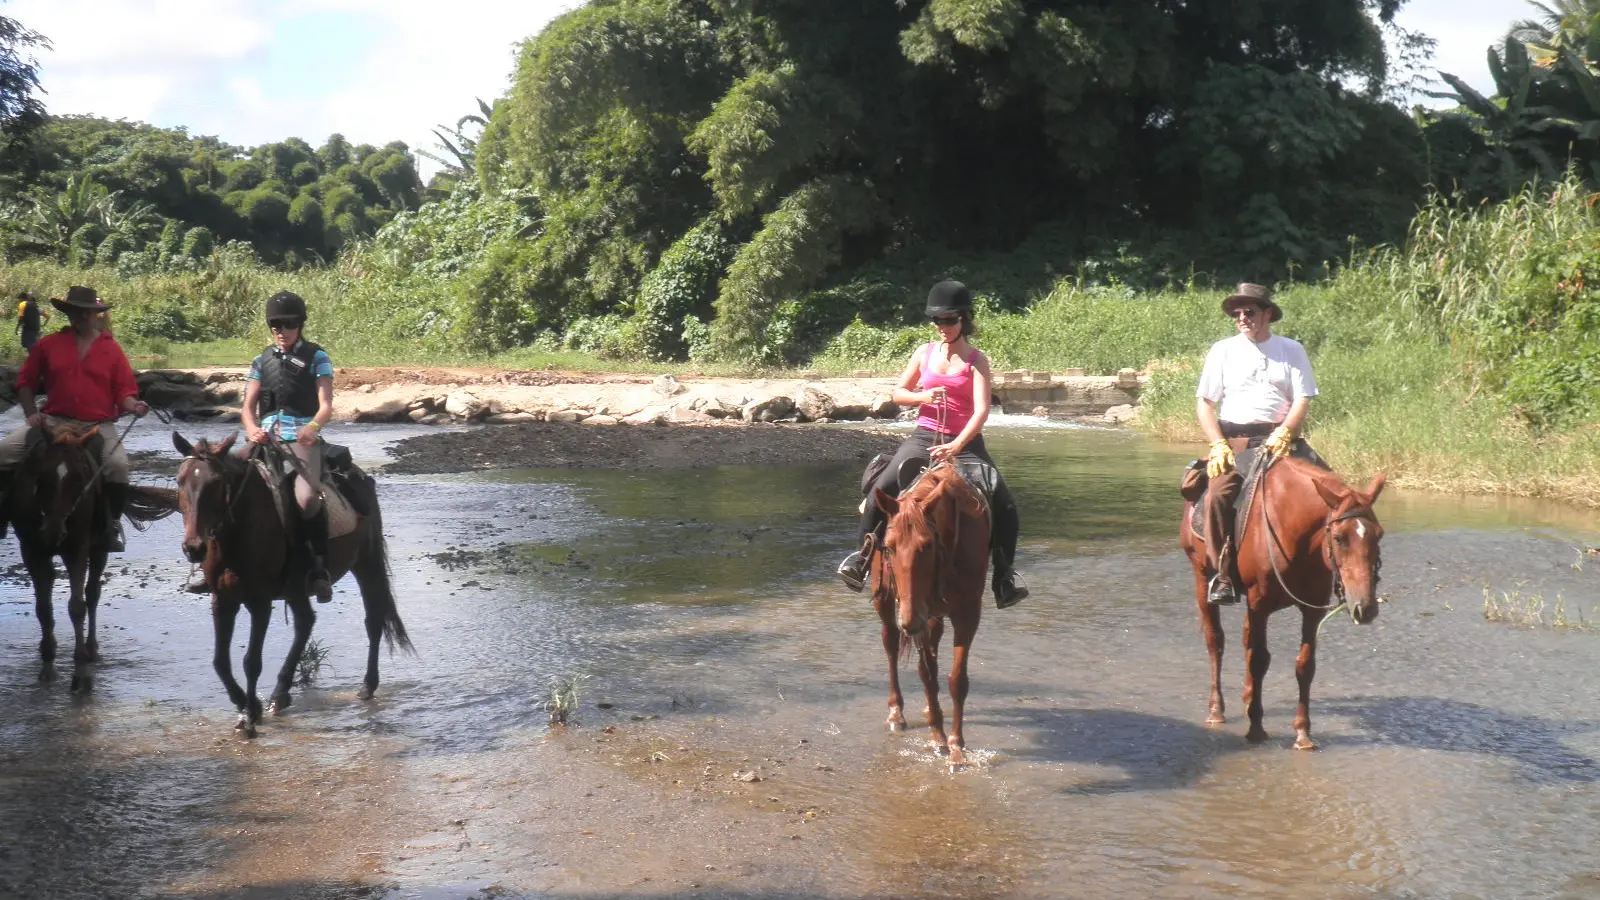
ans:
(286, 305)
(949, 298)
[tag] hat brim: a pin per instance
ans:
(1277, 312)
(99, 306)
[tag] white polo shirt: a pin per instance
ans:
(1253, 382)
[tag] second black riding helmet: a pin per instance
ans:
(286, 305)
(948, 298)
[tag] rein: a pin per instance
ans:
(1329, 546)
(99, 467)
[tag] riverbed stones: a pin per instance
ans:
(600, 420)
(512, 418)
(567, 415)
(1122, 414)
(813, 403)
(650, 415)
(384, 411)
(464, 405)
(667, 386)
(769, 409)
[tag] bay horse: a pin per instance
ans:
(57, 507)
(932, 565)
(232, 528)
(1309, 540)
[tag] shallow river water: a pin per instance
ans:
(729, 739)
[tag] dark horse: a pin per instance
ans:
(58, 510)
(232, 528)
(1308, 537)
(932, 566)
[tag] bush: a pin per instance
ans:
(682, 285)
(161, 319)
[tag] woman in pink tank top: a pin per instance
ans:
(949, 381)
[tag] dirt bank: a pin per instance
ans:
(643, 447)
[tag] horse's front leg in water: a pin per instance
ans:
(42, 571)
(1256, 659)
(891, 648)
(224, 612)
(962, 632)
(928, 669)
(304, 618)
(1211, 629)
(260, 618)
(77, 608)
(91, 593)
(1305, 669)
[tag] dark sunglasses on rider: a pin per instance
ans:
(283, 324)
(946, 320)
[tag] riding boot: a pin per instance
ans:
(1008, 587)
(853, 571)
(116, 500)
(1221, 591)
(316, 537)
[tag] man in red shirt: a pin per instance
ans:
(90, 383)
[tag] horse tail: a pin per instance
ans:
(149, 504)
(372, 572)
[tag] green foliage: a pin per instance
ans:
(161, 319)
(680, 288)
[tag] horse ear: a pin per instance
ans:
(1375, 488)
(1330, 494)
(181, 445)
(226, 443)
(888, 504)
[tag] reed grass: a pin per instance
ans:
(1533, 611)
(563, 697)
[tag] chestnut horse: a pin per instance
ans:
(231, 527)
(932, 566)
(1309, 541)
(57, 508)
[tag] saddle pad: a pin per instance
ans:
(342, 517)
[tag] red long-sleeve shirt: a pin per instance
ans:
(90, 389)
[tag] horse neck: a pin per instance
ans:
(252, 521)
(1298, 513)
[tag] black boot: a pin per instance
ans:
(316, 535)
(1008, 588)
(853, 571)
(116, 500)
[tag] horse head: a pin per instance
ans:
(1351, 545)
(204, 492)
(61, 471)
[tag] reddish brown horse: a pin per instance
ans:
(57, 509)
(1310, 541)
(932, 566)
(231, 526)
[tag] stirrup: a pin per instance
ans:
(853, 571)
(116, 539)
(1221, 592)
(319, 584)
(1009, 590)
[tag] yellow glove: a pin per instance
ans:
(1279, 442)
(1220, 460)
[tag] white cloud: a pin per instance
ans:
(143, 35)
(1465, 29)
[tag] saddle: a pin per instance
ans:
(345, 487)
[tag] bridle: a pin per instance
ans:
(1330, 551)
(230, 495)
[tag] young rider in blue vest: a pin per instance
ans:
(289, 398)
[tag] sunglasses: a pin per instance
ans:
(283, 324)
(1251, 311)
(946, 320)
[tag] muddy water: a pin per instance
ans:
(729, 738)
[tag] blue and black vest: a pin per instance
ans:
(289, 382)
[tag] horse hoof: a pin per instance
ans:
(1256, 735)
(1216, 719)
(244, 725)
(280, 703)
(365, 693)
(47, 673)
(897, 724)
(81, 683)
(1304, 743)
(958, 757)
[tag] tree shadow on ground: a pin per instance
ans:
(1155, 753)
(1434, 723)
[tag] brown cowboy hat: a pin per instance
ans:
(1254, 294)
(80, 299)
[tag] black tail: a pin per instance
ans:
(148, 504)
(372, 573)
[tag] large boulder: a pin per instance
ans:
(814, 403)
(667, 386)
(464, 405)
(174, 394)
(770, 409)
(385, 411)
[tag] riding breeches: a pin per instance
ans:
(1007, 524)
(308, 486)
(113, 458)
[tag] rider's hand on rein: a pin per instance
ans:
(1221, 459)
(1279, 443)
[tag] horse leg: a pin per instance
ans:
(260, 618)
(1211, 630)
(375, 588)
(304, 618)
(77, 607)
(91, 594)
(891, 648)
(224, 612)
(42, 571)
(963, 630)
(928, 668)
(1305, 669)
(1257, 658)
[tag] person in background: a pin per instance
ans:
(30, 319)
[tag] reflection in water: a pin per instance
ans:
(730, 741)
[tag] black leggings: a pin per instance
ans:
(1007, 526)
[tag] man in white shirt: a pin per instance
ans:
(1254, 391)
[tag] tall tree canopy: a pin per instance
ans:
(825, 137)
(20, 107)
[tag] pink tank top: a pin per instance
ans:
(958, 404)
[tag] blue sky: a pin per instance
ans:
(251, 71)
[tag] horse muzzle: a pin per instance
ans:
(194, 552)
(1364, 612)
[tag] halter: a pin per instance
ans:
(1329, 551)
